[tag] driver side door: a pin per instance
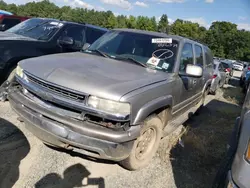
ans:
(188, 83)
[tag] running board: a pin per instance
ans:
(174, 124)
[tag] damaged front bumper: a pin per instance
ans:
(49, 124)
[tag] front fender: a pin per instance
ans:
(152, 106)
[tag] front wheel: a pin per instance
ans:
(5, 85)
(146, 144)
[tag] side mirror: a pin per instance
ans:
(194, 70)
(85, 46)
(2, 27)
(66, 41)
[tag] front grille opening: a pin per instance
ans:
(57, 90)
(56, 104)
(107, 123)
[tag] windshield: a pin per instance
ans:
(147, 50)
(40, 29)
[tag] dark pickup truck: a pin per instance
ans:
(116, 99)
(38, 36)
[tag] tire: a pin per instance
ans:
(152, 132)
(5, 84)
(10, 75)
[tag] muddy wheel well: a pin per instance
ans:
(164, 114)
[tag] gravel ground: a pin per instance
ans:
(26, 162)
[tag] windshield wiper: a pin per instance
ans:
(132, 60)
(101, 53)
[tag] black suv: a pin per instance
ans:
(39, 36)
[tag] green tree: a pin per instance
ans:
(112, 21)
(163, 24)
(121, 21)
(131, 22)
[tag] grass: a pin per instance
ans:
(205, 140)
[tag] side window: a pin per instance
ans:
(10, 22)
(187, 56)
(93, 34)
(77, 33)
(208, 57)
(198, 55)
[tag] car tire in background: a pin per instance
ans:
(146, 145)
(4, 86)
(11, 74)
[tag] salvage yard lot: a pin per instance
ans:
(26, 162)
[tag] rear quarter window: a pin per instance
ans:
(208, 57)
(198, 55)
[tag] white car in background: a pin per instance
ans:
(220, 77)
(238, 66)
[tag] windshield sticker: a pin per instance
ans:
(167, 45)
(153, 61)
(163, 54)
(165, 65)
(162, 40)
(57, 24)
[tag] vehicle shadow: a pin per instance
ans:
(73, 176)
(14, 146)
(234, 81)
(195, 162)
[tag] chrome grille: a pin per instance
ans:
(57, 90)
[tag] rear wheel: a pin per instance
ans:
(146, 144)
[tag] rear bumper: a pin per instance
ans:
(81, 136)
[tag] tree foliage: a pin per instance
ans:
(222, 37)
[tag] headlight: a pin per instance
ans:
(109, 106)
(19, 71)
